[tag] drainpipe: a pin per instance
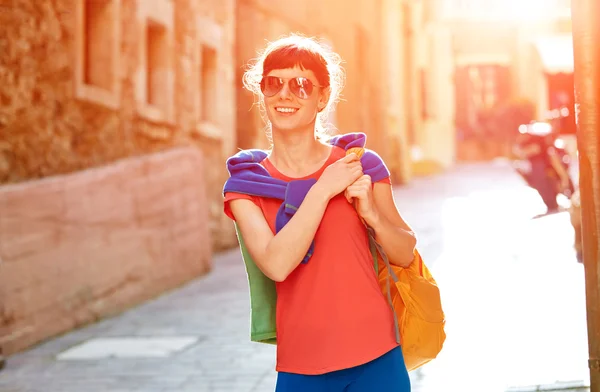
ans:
(585, 15)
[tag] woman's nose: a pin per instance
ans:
(285, 92)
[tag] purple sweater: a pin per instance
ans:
(248, 176)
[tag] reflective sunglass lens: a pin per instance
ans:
(271, 85)
(300, 87)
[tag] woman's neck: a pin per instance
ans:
(298, 154)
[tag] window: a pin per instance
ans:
(156, 65)
(208, 85)
(155, 81)
(209, 75)
(97, 51)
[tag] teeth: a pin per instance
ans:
(286, 110)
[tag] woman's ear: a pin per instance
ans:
(324, 95)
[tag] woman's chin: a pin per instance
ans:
(286, 124)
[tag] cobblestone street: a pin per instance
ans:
(513, 294)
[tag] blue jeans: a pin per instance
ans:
(384, 374)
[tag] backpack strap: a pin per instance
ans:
(376, 249)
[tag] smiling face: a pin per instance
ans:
(289, 113)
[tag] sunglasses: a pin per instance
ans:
(300, 87)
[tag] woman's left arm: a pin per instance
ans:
(377, 207)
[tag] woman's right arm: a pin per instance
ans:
(278, 255)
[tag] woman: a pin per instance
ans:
(335, 329)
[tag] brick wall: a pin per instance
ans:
(71, 101)
(79, 247)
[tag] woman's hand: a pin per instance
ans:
(360, 193)
(339, 175)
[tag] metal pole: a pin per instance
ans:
(585, 15)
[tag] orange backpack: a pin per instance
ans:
(415, 299)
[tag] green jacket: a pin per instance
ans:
(263, 296)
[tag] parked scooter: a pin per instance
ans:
(543, 162)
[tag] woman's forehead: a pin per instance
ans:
(292, 73)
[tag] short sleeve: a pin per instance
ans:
(229, 196)
(385, 180)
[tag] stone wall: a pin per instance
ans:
(78, 247)
(65, 107)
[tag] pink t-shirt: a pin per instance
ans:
(331, 313)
